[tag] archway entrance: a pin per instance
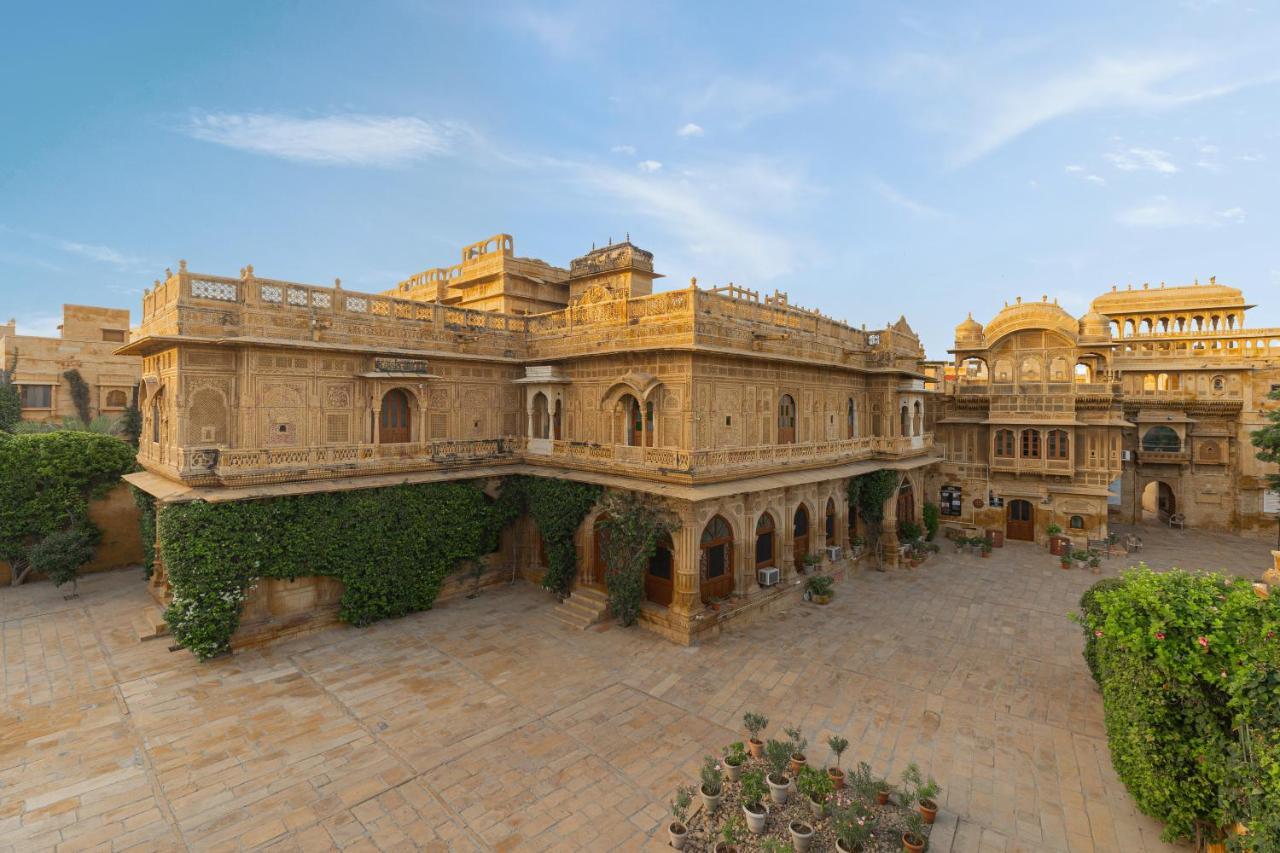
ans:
(1158, 502)
(1020, 521)
(786, 420)
(766, 538)
(800, 537)
(716, 546)
(394, 419)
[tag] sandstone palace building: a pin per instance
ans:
(745, 414)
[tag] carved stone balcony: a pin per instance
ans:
(1164, 457)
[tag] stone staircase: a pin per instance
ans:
(150, 624)
(585, 607)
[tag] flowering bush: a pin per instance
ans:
(1189, 666)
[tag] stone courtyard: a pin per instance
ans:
(486, 724)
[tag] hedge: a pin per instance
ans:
(390, 547)
(1189, 666)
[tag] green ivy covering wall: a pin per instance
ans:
(1189, 666)
(557, 508)
(390, 547)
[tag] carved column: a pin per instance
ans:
(686, 598)
(889, 532)
(158, 584)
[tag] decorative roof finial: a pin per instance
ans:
(628, 236)
(1196, 282)
(168, 273)
(182, 265)
(1213, 279)
(337, 284)
(693, 281)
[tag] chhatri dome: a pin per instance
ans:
(1095, 326)
(969, 332)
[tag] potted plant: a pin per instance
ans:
(921, 792)
(811, 560)
(1080, 556)
(712, 784)
(837, 745)
(1065, 560)
(855, 544)
(733, 835)
(1095, 564)
(752, 793)
(678, 829)
(801, 835)
(818, 588)
(755, 724)
(1058, 544)
(913, 837)
(817, 787)
(776, 754)
(852, 827)
(798, 745)
(986, 547)
(735, 755)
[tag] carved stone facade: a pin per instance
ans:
(728, 406)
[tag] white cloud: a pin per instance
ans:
(628, 150)
(1142, 159)
(102, 254)
(1163, 212)
(1096, 179)
(690, 129)
(904, 202)
(649, 166)
(1075, 168)
(336, 140)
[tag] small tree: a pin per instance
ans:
(79, 394)
(131, 420)
(1267, 440)
(932, 520)
(869, 492)
(60, 555)
(10, 402)
(631, 524)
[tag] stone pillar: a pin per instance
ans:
(889, 532)
(158, 584)
(686, 598)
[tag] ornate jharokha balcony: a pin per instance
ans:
(1165, 457)
(1064, 467)
(254, 466)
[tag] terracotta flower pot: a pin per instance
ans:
(755, 746)
(797, 761)
(911, 843)
(837, 777)
(882, 798)
(678, 833)
(928, 810)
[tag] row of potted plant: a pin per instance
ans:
(781, 767)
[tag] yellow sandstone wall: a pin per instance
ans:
(116, 516)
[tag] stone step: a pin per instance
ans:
(150, 624)
(583, 608)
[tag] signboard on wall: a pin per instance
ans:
(399, 365)
(1271, 503)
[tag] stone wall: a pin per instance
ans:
(116, 515)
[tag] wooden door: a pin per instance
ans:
(659, 584)
(786, 420)
(1020, 521)
(394, 420)
(800, 538)
(906, 504)
(717, 559)
(636, 420)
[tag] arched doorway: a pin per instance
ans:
(766, 542)
(1158, 502)
(634, 423)
(1020, 521)
(716, 546)
(555, 422)
(851, 420)
(906, 504)
(539, 415)
(786, 420)
(394, 420)
(830, 526)
(659, 579)
(800, 536)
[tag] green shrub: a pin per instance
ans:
(46, 483)
(632, 524)
(909, 531)
(818, 585)
(79, 393)
(1089, 609)
(10, 406)
(390, 547)
(60, 555)
(932, 520)
(146, 505)
(1189, 666)
(557, 508)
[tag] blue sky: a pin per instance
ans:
(870, 159)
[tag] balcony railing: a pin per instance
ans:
(1166, 457)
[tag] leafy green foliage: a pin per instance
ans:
(1266, 439)
(869, 492)
(837, 745)
(10, 400)
(777, 754)
(557, 508)
(146, 505)
(79, 394)
(631, 524)
(853, 825)
(754, 723)
(735, 754)
(46, 482)
(753, 788)
(818, 585)
(712, 781)
(932, 520)
(60, 555)
(814, 784)
(390, 547)
(1189, 666)
(1089, 610)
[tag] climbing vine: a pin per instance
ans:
(79, 394)
(869, 492)
(146, 528)
(390, 547)
(1189, 666)
(631, 525)
(557, 508)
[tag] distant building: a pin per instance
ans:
(89, 338)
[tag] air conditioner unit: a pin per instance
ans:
(1126, 455)
(769, 576)
(834, 552)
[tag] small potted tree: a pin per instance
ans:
(752, 793)
(1095, 564)
(1064, 560)
(733, 834)
(852, 827)
(816, 787)
(755, 724)
(986, 547)
(776, 755)
(922, 793)
(678, 829)
(818, 588)
(837, 745)
(801, 835)
(712, 784)
(735, 755)
(913, 837)
(798, 745)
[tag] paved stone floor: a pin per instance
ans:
(486, 725)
